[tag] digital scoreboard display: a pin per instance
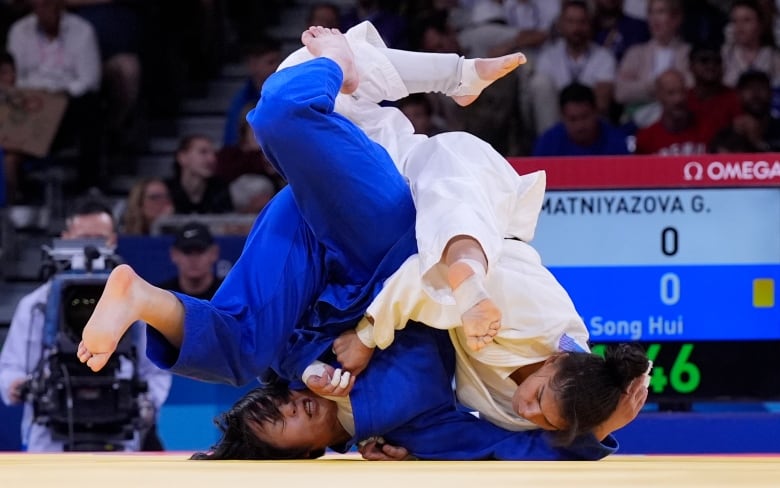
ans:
(679, 254)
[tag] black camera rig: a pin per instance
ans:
(87, 411)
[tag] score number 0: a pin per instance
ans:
(684, 376)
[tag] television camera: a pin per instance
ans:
(88, 411)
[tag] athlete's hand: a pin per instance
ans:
(376, 450)
(629, 406)
(351, 353)
(331, 382)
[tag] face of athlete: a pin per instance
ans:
(536, 401)
(308, 423)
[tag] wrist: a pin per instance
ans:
(365, 333)
(601, 433)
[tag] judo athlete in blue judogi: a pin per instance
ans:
(314, 260)
(319, 252)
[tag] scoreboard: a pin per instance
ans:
(681, 254)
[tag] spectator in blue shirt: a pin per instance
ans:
(582, 132)
(261, 59)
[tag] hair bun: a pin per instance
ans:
(626, 362)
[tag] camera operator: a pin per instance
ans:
(23, 347)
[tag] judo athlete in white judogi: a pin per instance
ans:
(461, 187)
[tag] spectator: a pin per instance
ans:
(494, 116)
(419, 111)
(643, 63)
(23, 345)
(432, 32)
(636, 8)
(582, 132)
(678, 131)
(709, 98)
(383, 14)
(534, 17)
(250, 193)
(324, 14)
(58, 51)
(573, 58)
(497, 28)
(615, 30)
(11, 160)
(118, 28)
(728, 141)
(194, 253)
(771, 17)
(245, 157)
(245, 20)
(703, 22)
(194, 188)
(488, 32)
(756, 129)
(751, 47)
(261, 59)
(148, 200)
(7, 70)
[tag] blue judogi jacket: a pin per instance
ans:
(406, 396)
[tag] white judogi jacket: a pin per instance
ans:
(461, 186)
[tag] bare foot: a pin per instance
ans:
(482, 321)
(484, 72)
(114, 313)
(331, 44)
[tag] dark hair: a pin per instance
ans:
(589, 386)
(582, 4)
(7, 58)
(237, 425)
(322, 5)
(767, 37)
(186, 141)
(416, 99)
(90, 205)
(729, 141)
(430, 20)
(260, 46)
(703, 48)
(576, 92)
(184, 144)
(753, 76)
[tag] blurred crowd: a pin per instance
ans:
(602, 77)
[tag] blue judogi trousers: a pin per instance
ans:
(317, 254)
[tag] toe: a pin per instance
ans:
(97, 361)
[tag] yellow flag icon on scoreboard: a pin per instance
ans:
(764, 292)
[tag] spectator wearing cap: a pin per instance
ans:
(194, 253)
